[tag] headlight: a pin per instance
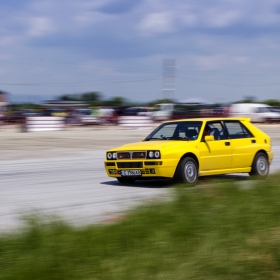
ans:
(111, 155)
(153, 154)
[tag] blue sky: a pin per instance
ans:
(223, 50)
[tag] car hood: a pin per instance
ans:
(153, 145)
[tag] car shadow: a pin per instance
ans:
(167, 183)
(149, 184)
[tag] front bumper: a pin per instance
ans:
(149, 169)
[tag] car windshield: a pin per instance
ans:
(176, 131)
(263, 110)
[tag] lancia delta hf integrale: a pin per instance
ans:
(187, 149)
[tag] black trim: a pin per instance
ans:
(153, 162)
(130, 164)
(110, 164)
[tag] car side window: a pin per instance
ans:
(237, 130)
(217, 130)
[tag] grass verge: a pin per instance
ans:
(221, 232)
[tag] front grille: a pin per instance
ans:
(130, 164)
(125, 155)
(131, 155)
(139, 155)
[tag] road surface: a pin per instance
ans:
(61, 173)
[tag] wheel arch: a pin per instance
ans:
(192, 155)
(180, 175)
(261, 170)
(259, 151)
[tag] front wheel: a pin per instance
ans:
(187, 171)
(260, 165)
(126, 180)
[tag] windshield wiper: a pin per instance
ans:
(148, 139)
(168, 138)
(178, 138)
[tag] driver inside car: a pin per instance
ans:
(207, 130)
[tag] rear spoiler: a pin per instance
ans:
(246, 119)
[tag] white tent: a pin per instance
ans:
(194, 101)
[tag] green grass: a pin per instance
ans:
(221, 232)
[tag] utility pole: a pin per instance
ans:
(168, 79)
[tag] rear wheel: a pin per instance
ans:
(187, 171)
(260, 167)
(126, 180)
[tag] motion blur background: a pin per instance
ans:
(221, 51)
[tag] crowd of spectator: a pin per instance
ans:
(94, 115)
(100, 115)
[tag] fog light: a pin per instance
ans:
(152, 171)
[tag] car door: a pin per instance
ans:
(243, 144)
(215, 155)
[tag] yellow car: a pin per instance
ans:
(187, 149)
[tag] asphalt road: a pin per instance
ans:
(61, 173)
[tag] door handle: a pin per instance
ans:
(253, 141)
(227, 143)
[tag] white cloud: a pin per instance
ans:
(240, 59)
(209, 62)
(88, 18)
(216, 17)
(156, 23)
(96, 4)
(6, 41)
(269, 43)
(40, 26)
(188, 19)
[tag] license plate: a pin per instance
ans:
(130, 172)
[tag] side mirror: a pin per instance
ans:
(209, 138)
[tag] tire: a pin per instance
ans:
(126, 180)
(260, 166)
(187, 171)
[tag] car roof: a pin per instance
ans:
(212, 119)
